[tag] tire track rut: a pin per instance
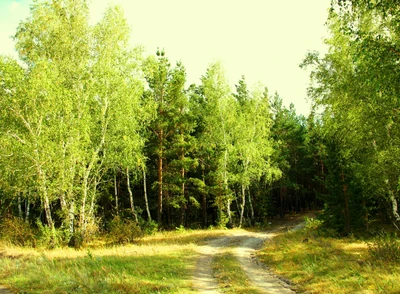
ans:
(245, 245)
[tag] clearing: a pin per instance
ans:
(168, 262)
(244, 244)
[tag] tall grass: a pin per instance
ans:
(330, 265)
(162, 263)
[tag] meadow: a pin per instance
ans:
(164, 263)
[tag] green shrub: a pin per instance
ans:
(47, 237)
(223, 220)
(149, 227)
(385, 247)
(318, 227)
(16, 231)
(312, 223)
(180, 229)
(124, 231)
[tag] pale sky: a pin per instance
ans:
(264, 40)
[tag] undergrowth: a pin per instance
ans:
(160, 263)
(319, 263)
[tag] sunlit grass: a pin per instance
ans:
(231, 277)
(162, 263)
(328, 265)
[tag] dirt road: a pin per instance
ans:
(246, 244)
(4, 290)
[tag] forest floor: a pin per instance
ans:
(277, 259)
(243, 245)
(3, 290)
(169, 262)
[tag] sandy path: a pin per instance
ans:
(259, 276)
(4, 290)
(245, 244)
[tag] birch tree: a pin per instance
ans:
(252, 141)
(75, 78)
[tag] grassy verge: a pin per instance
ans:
(231, 278)
(329, 265)
(162, 263)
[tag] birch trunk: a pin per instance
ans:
(130, 195)
(116, 193)
(145, 195)
(27, 210)
(242, 205)
(395, 210)
(19, 206)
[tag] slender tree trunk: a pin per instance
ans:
(83, 209)
(226, 187)
(204, 202)
(322, 177)
(88, 170)
(45, 198)
(395, 210)
(63, 203)
(282, 197)
(19, 206)
(47, 209)
(237, 202)
(145, 195)
(242, 205)
(160, 181)
(130, 195)
(72, 217)
(186, 197)
(116, 194)
(366, 220)
(251, 208)
(92, 201)
(346, 205)
(27, 210)
(228, 210)
(68, 212)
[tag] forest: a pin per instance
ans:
(97, 137)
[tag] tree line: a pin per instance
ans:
(92, 131)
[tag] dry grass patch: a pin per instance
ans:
(329, 265)
(162, 263)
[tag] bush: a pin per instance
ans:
(47, 237)
(150, 227)
(124, 231)
(385, 247)
(16, 231)
(223, 220)
(318, 227)
(312, 224)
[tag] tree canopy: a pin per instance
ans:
(92, 132)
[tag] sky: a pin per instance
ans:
(264, 40)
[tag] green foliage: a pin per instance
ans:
(17, 232)
(317, 227)
(355, 85)
(385, 247)
(180, 229)
(312, 224)
(123, 231)
(223, 220)
(48, 237)
(149, 227)
(71, 122)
